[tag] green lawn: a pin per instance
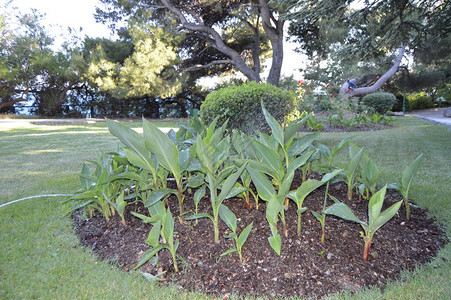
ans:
(41, 256)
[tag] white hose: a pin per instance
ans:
(39, 196)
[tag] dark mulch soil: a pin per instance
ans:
(305, 268)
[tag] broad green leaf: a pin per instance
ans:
(164, 149)
(224, 173)
(276, 243)
(276, 129)
(343, 211)
(394, 186)
(385, 216)
(148, 255)
(210, 130)
(301, 210)
(286, 185)
(273, 208)
(291, 130)
(143, 161)
(184, 157)
(355, 158)
(196, 181)
(323, 150)
(127, 136)
(199, 194)
(270, 158)
(331, 175)
(157, 209)
(375, 204)
(228, 217)
(409, 173)
(229, 184)
(158, 195)
(84, 181)
(343, 143)
(153, 238)
(305, 189)
(199, 216)
(205, 155)
(302, 144)
(194, 165)
(168, 226)
(237, 141)
(264, 187)
(236, 190)
(120, 204)
(244, 234)
(229, 251)
(147, 219)
(318, 216)
(299, 161)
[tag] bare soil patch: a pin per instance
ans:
(306, 267)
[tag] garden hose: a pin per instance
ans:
(31, 197)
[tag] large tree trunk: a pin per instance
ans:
(272, 27)
(274, 30)
(344, 90)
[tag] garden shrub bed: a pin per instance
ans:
(305, 268)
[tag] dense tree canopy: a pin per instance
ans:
(356, 40)
(227, 33)
(31, 70)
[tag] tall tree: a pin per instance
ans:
(31, 70)
(371, 30)
(209, 25)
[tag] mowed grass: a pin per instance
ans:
(41, 257)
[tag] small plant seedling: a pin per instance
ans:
(376, 218)
(407, 177)
(230, 219)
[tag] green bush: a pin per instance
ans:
(420, 102)
(381, 102)
(241, 105)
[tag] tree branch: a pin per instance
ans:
(215, 62)
(378, 84)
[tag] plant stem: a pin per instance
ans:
(174, 260)
(215, 227)
(406, 203)
(349, 192)
(180, 197)
(368, 239)
(299, 224)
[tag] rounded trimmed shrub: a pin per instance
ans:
(381, 102)
(241, 104)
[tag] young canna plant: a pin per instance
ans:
(275, 200)
(406, 181)
(321, 217)
(230, 219)
(162, 226)
(351, 170)
(376, 218)
(217, 177)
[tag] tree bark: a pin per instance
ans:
(344, 90)
(274, 30)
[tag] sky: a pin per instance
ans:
(65, 13)
(79, 13)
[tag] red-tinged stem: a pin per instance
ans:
(366, 251)
(247, 201)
